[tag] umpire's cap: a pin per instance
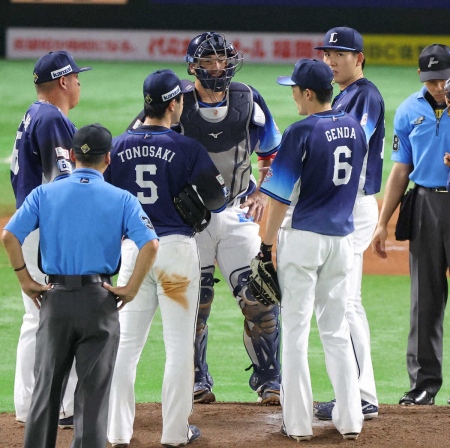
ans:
(309, 74)
(342, 38)
(434, 62)
(55, 64)
(92, 139)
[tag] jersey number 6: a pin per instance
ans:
(342, 170)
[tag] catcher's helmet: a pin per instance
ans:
(447, 89)
(207, 44)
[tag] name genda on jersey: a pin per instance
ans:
(341, 132)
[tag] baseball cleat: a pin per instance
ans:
(350, 435)
(323, 411)
(204, 396)
(269, 394)
(66, 423)
(297, 438)
(193, 435)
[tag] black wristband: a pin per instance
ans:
(19, 269)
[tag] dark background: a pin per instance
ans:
(288, 16)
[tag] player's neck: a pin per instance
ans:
(56, 101)
(165, 122)
(358, 75)
(315, 108)
(208, 96)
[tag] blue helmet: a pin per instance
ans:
(213, 44)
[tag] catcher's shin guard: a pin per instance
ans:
(203, 380)
(262, 342)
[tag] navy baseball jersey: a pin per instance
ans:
(41, 149)
(331, 142)
(108, 212)
(230, 131)
(155, 164)
(363, 101)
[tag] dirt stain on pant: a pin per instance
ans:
(175, 287)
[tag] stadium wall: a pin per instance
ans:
(251, 16)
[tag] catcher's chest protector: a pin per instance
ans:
(227, 140)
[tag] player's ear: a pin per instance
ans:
(108, 158)
(191, 69)
(360, 58)
(72, 155)
(62, 81)
(418, 71)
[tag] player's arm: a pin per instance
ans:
(144, 262)
(14, 250)
(54, 135)
(269, 138)
(256, 202)
(139, 228)
(395, 188)
(277, 212)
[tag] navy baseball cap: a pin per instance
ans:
(162, 86)
(434, 62)
(92, 139)
(309, 74)
(55, 64)
(342, 38)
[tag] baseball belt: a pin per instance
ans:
(76, 281)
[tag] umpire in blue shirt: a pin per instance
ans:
(82, 220)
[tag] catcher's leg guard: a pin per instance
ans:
(262, 342)
(203, 380)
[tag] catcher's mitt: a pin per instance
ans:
(263, 282)
(192, 210)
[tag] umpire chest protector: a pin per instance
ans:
(224, 131)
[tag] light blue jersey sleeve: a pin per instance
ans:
(286, 168)
(266, 136)
(26, 218)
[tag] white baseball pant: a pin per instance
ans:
(311, 271)
(173, 284)
(26, 348)
(365, 217)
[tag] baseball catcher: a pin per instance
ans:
(263, 280)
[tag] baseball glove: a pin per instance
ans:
(192, 210)
(263, 282)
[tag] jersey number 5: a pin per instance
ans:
(147, 184)
(342, 170)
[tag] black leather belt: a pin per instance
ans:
(78, 280)
(435, 189)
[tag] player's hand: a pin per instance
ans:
(256, 203)
(447, 159)
(34, 291)
(123, 294)
(378, 242)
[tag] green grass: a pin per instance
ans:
(112, 95)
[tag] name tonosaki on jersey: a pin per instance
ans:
(146, 151)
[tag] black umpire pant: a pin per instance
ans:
(81, 322)
(429, 260)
